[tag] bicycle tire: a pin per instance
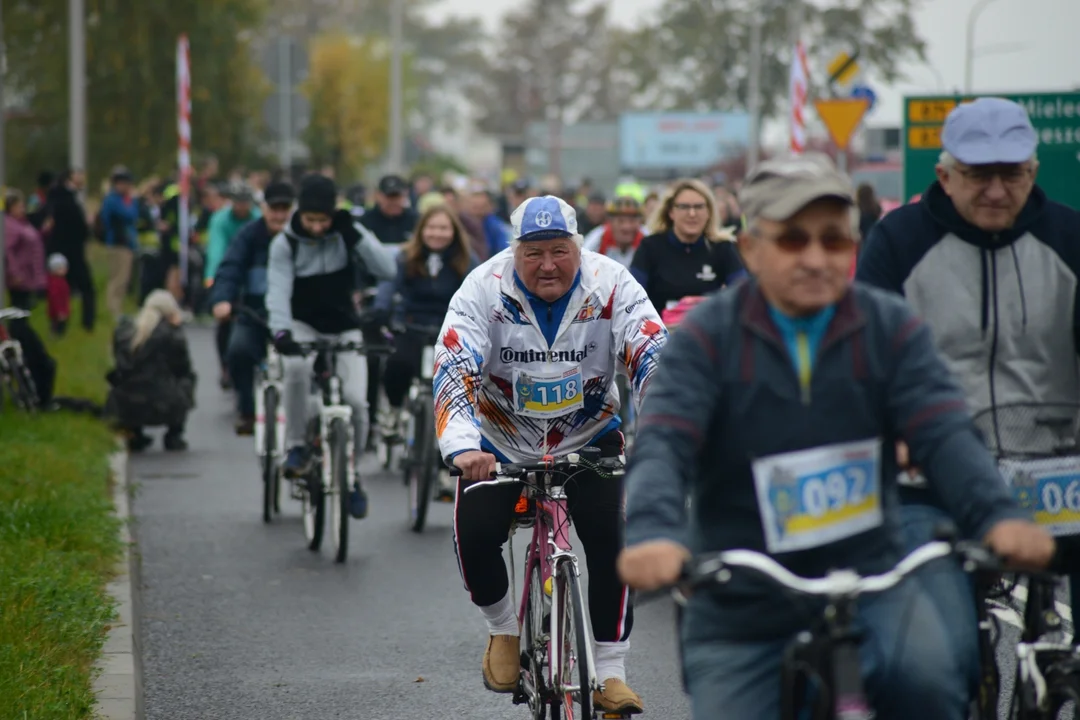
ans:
(422, 469)
(314, 510)
(27, 390)
(573, 633)
(269, 462)
(339, 491)
(532, 654)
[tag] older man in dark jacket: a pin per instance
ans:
(789, 389)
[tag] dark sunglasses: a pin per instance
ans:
(795, 240)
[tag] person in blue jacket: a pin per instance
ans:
(241, 278)
(430, 268)
(117, 218)
(771, 390)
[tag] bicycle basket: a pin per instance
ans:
(1031, 430)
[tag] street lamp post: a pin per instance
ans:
(969, 55)
(397, 141)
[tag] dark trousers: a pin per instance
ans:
(482, 524)
(36, 358)
(247, 348)
(375, 372)
(81, 283)
(402, 367)
(221, 340)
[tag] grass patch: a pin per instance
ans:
(58, 534)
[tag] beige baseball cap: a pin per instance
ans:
(779, 188)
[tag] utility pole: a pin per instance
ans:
(285, 102)
(753, 91)
(397, 139)
(77, 83)
(969, 50)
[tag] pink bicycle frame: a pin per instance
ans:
(550, 544)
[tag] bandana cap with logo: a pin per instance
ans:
(778, 189)
(989, 131)
(544, 218)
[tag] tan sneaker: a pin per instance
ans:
(617, 698)
(502, 663)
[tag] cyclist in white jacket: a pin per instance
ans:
(526, 367)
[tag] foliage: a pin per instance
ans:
(349, 88)
(695, 55)
(131, 89)
(58, 537)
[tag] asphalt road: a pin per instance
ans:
(240, 620)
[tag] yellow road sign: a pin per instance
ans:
(843, 70)
(924, 138)
(842, 117)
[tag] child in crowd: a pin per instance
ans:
(58, 293)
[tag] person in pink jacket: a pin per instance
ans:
(24, 257)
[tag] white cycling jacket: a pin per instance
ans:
(497, 380)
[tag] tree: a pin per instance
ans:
(696, 55)
(349, 88)
(550, 62)
(131, 87)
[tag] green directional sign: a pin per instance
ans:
(1056, 117)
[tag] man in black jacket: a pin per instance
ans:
(241, 277)
(777, 405)
(70, 231)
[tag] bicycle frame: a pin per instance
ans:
(333, 407)
(549, 547)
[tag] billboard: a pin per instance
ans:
(681, 140)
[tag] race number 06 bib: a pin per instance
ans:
(1049, 489)
(548, 395)
(809, 498)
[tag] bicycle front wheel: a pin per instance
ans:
(270, 475)
(422, 466)
(573, 688)
(339, 487)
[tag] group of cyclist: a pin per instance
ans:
(784, 405)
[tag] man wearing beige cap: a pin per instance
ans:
(791, 377)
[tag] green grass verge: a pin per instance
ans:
(58, 537)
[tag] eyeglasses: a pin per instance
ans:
(690, 207)
(795, 240)
(1011, 175)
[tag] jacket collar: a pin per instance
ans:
(755, 316)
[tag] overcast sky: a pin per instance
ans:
(1047, 55)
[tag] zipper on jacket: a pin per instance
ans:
(802, 351)
(992, 289)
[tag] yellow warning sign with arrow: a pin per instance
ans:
(842, 117)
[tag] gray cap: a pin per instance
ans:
(241, 193)
(988, 131)
(778, 189)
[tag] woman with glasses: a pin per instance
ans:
(688, 254)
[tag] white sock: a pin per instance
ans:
(501, 617)
(611, 660)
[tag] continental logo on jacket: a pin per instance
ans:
(510, 355)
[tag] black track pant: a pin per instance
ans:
(482, 522)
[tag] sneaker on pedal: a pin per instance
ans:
(617, 697)
(296, 463)
(358, 502)
(502, 663)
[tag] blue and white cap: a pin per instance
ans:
(544, 218)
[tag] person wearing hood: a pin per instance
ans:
(991, 264)
(311, 293)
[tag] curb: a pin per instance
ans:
(118, 681)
